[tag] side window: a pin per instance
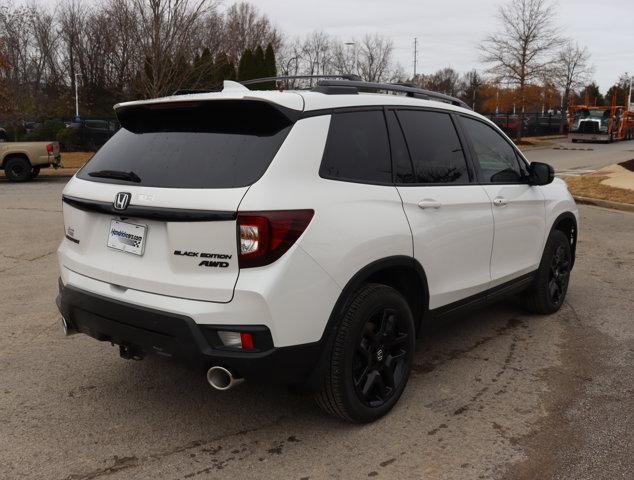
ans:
(496, 157)
(357, 148)
(401, 161)
(434, 147)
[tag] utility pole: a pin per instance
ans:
(415, 55)
(352, 46)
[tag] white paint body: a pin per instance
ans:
(465, 246)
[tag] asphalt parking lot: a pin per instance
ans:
(498, 394)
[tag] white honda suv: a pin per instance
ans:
(304, 237)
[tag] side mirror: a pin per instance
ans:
(540, 173)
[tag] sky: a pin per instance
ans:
(449, 31)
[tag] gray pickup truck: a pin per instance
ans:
(22, 161)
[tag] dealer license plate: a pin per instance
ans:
(127, 237)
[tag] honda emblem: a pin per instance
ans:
(122, 200)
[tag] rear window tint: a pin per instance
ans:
(357, 149)
(217, 144)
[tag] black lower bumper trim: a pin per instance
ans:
(179, 337)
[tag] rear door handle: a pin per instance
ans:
(500, 202)
(429, 203)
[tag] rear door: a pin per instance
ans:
(449, 215)
(518, 208)
(155, 208)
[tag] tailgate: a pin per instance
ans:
(155, 208)
(182, 252)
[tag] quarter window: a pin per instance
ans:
(435, 149)
(495, 156)
(357, 149)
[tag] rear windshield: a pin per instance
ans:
(217, 144)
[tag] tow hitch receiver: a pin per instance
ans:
(131, 352)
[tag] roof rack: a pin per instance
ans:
(407, 88)
(255, 81)
(346, 84)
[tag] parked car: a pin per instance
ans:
(509, 123)
(22, 161)
(305, 237)
(93, 133)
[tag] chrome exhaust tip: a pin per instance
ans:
(222, 379)
(68, 328)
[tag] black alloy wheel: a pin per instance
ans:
(379, 363)
(547, 293)
(369, 356)
(559, 274)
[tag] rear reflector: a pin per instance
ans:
(236, 339)
(247, 341)
(266, 236)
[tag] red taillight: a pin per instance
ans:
(49, 148)
(247, 341)
(265, 236)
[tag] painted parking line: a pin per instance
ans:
(575, 172)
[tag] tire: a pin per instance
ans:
(548, 292)
(35, 171)
(370, 358)
(17, 169)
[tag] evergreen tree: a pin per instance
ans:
(259, 67)
(223, 69)
(246, 66)
(270, 67)
(620, 91)
(202, 71)
(592, 95)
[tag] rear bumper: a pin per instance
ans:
(179, 337)
(593, 137)
(55, 161)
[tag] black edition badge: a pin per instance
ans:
(206, 263)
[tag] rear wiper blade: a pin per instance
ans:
(117, 175)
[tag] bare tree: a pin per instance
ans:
(471, 84)
(289, 60)
(571, 70)
(374, 58)
(521, 51)
(246, 27)
(19, 71)
(316, 54)
(5, 97)
(445, 80)
(345, 57)
(70, 18)
(165, 30)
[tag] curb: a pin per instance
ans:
(625, 207)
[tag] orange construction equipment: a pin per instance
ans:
(601, 124)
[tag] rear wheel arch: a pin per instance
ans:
(405, 274)
(14, 155)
